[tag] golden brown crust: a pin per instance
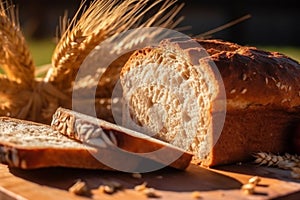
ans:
(57, 157)
(253, 77)
(250, 131)
(134, 57)
(263, 101)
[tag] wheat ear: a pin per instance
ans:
(101, 20)
(16, 60)
(13, 96)
(285, 161)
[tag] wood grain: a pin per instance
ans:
(223, 182)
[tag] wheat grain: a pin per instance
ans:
(267, 159)
(291, 157)
(295, 173)
(110, 187)
(196, 195)
(140, 187)
(254, 180)
(248, 188)
(80, 188)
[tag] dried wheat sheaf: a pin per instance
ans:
(24, 96)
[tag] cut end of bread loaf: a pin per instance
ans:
(170, 92)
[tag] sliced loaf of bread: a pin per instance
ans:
(177, 96)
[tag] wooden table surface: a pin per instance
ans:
(218, 183)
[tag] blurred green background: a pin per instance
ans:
(272, 26)
(42, 50)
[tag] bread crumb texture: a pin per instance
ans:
(30, 134)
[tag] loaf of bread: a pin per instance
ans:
(173, 94)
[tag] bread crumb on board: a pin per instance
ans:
(147, 191)
(254, 180)
(196, 195)
(110, 187)
(80, 188)
(140, 187)
(137, 175)
(151, 192)
(249, 187)
(107, 189)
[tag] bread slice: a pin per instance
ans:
(29, 145)
(119, 147)
(170, 92)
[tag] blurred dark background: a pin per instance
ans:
(271, 23)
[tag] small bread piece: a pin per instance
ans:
(113, 138)
(262, 98)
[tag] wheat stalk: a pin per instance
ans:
(27, 97)
(281, 161)
(101, 20)
(17, 64)
(22, 95)
(286, 161)
(16, 59)
(209, 33)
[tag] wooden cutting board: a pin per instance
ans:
(219, 183)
